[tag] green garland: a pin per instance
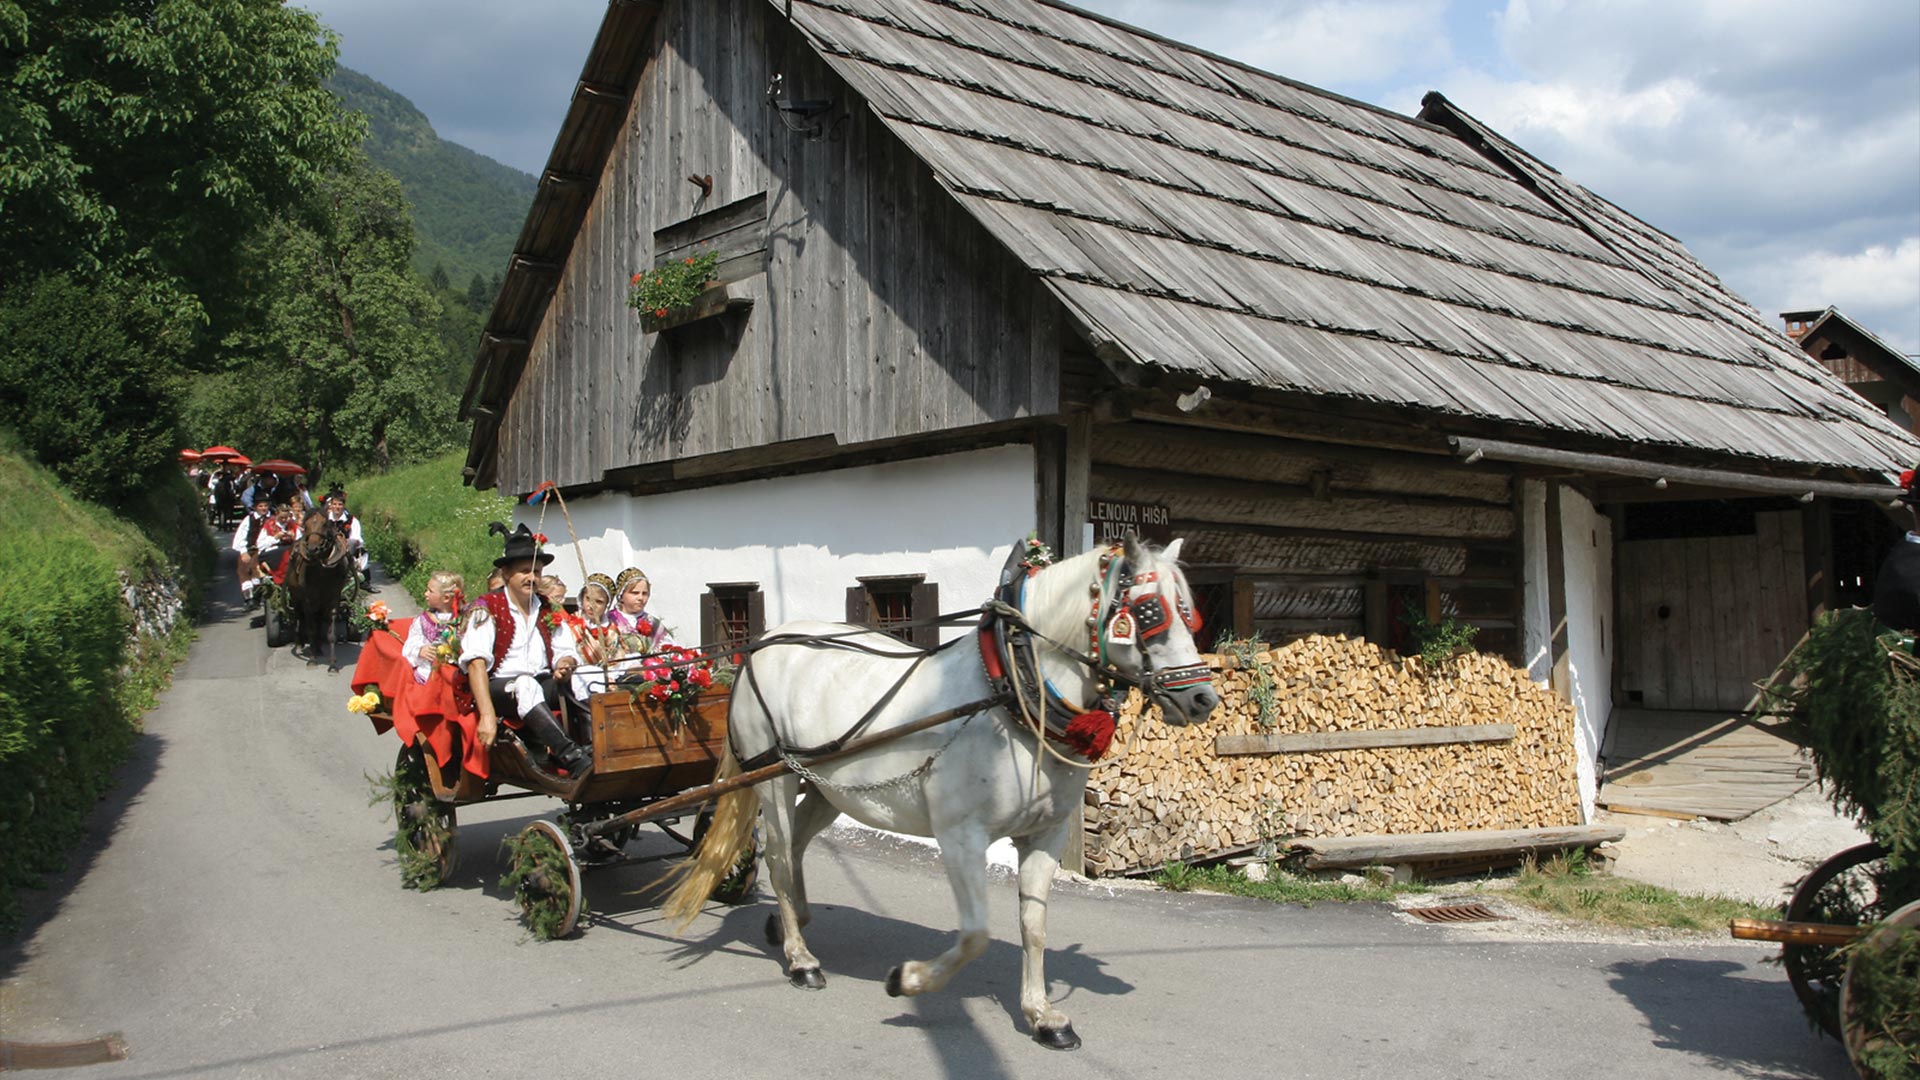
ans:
(1884, 1001)
(537, 876)
(421, 834)
(1858, 697)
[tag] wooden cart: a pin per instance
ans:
(642, 756)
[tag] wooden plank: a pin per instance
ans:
(1731, 575)
(1338, 851)
(1696, 642)
(1250, 502)
(1817, 557)
(1561, 677)
(1673, 596)
(1311, 742)
(1769, 636)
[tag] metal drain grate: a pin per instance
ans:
(1455, 913)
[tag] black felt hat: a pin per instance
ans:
(520, 545)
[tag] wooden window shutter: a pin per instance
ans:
(858, 611)
(926, 605)
(756, 614)
(709, 618)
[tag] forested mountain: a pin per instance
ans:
(467, 207)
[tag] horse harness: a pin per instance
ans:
(1126, 608)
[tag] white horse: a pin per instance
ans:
(966, 782)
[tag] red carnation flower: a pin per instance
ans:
(658, 692)
(636, 278)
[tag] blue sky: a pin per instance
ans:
(1778, 139)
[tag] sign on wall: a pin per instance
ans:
(1115, 518)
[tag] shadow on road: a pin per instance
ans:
(1669, 991)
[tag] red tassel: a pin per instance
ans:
(1090, 734)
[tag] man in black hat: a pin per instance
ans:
(517, 655)
(1896, 588)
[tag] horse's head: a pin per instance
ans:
(1149, 632)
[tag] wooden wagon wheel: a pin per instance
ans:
(1843, 891)
(545, 879)
(1880, 998)
(424, 827)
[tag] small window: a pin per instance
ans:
(732, 613)
(894, 603)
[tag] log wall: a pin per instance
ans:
(1174, 797)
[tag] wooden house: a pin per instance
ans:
(986, 266)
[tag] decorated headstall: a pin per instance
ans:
(1139, 607)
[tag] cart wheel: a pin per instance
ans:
(279, 627)
(545, 879)
(1843, 891)
(424, 827)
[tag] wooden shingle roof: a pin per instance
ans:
(1204, 217)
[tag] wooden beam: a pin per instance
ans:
(1338, 851)
(1075, 482)
(1471, 450)
(1319, 741)
(1817, 524)
(1562, 678)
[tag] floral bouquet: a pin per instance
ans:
(673, 677)
(364, 703)
(374, 617)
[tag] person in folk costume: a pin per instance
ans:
(598, 638)
(247, 538)
(430, 626)
(515, 652)
(336, 504)
(638, 630)
(1896, 588)
(303, 496)
(226, 493)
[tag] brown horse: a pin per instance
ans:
(316, 577)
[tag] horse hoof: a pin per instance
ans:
(894, 989)
(1057, 1038)
(807, 978)
(774, 934)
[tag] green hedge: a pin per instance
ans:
(424, 518)
(70, 693)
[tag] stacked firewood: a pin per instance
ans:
(1173, 798)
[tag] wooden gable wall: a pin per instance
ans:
(884, 311)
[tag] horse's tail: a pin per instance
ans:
(728, 834)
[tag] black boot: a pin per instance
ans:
(573, 757)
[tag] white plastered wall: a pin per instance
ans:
(806, 539)
(1587, 544)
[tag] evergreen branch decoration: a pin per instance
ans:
(537, 875)
(671, 285)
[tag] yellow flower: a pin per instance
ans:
(364, 703)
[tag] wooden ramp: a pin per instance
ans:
(1699, 764)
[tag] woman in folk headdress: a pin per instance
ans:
(641, 631)
(599, 639)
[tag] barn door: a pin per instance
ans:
(1704, 618)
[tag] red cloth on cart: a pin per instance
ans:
(419, 709)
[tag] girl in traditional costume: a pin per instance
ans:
(434, 636)
(598, 639)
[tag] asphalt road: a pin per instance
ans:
(241, 915)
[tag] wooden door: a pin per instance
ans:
(1704, 618)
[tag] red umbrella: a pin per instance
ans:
(239, 459)
(189, 455)
(221, 452)
(280, 466)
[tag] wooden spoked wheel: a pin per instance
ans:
(1843, 891)
(1880, 998)
(424, 827)
(545, 879)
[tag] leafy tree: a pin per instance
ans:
(85, 379)
(343, 362)
(155, 135)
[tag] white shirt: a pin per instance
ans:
(525, 655)
(353, 531)
(241, 530)
(417, 643)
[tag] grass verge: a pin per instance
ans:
(1564, 886)
(424, 518)
(1279, 886)
(1567, 887)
